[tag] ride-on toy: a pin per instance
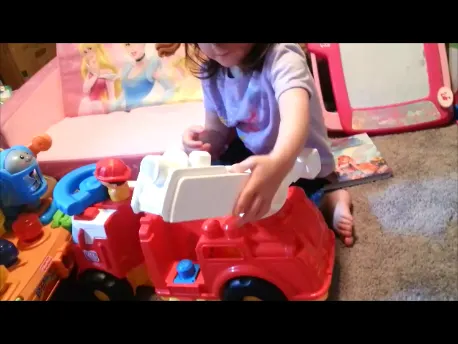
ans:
(178, 233)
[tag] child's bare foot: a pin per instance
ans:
(336, 209)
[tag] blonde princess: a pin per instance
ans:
(101, 85)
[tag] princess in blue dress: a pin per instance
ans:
(138, 79)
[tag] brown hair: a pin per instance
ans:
(166, 49)
(204, 68)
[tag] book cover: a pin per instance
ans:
(357, 161)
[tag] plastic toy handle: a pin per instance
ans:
(40, 143)
(90, 191)
(321, 49)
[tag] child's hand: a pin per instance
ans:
(193, 139)
(197, 138)
(267, 173)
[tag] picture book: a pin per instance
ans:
(357, 161)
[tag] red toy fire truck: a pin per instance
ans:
(177, 234)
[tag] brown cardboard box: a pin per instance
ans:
(19, 61)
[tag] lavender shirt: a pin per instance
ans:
(249, 102)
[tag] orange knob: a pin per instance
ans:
(40, 143)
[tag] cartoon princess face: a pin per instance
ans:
(89, 55)
(135, 50)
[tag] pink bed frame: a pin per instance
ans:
(341, 121)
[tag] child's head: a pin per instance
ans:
(210, 57)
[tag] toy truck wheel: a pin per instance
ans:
(106, 287)
(251, 289)
(144, 293)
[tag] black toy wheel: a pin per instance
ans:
(251, 289)
(145, 293)
(106, 287)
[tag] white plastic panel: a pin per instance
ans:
(179, 188)
(384, 74)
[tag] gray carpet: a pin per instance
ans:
(406, 226)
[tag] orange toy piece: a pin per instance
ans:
(3, 278)
(40, 267)
(40, 143)
(114, 174)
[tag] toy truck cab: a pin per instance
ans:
(105, 245)
(195, 250)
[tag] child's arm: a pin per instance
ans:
(293, 86)
(294, 126)
(215, 133)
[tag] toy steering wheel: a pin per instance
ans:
(78, 190)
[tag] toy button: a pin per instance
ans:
(185, 269)
(89, 214)
(8, 253)
(27, 227)
(445, 97)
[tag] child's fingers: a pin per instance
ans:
(196, 129)
(193, 144)
(244, 201)
(263, 210)
(255, 209)
(191, 139)
(206, 147)
(247, 164)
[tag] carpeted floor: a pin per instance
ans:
(406, 226)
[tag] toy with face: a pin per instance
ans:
(21, 181)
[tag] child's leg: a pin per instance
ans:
(335, 206)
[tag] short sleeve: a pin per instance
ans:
(288, 69)
(207, 86)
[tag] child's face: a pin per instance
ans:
(226, 54)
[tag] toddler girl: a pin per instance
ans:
(266, 92)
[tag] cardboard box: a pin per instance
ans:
(19, 61)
